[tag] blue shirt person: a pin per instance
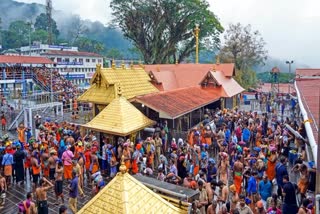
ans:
(265, 188)
(252, 183)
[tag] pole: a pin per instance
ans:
(196, 33)
(318, 152)
(30, 23)
(51, 95)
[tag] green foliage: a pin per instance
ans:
(114, 53)
(40, 36)
(86, 44)
(266, 77)
(42, 24)
(246, 78)
(17, 35)
(161, 29)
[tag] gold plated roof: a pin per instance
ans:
(125, 194)
(120, 118)
(134, 82)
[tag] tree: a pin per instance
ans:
(40, 36)
(243, 46)
(86, 44)
(160, 29)
(42, 24)
(17, 35)
(246, 78)
(114, 53)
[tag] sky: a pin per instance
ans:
(291, 28)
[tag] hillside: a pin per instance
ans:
(110, 38)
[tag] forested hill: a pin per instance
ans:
(72, 29)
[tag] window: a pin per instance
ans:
(81, 60)
(93, 60)
(58, 59)
(87, 60)
(99, 60)
(75, 59)
(67, 60)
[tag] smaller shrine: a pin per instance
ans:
(125, 194)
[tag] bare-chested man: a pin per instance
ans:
(59, 182)
(212, 209)
(52, 164)
(41, 194)
(223, 167)
(237, 174)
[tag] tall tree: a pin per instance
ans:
(42, 24)
(17, 35)
(86, 44)
(244, 47)
(162, 28)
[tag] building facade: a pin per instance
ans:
(76, 66)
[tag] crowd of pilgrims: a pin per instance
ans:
(237, 160)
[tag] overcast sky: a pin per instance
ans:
(291, 28)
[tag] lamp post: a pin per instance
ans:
(289, 63)
(196, 34)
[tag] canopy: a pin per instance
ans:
(119, 118)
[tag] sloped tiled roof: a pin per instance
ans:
(173, 76)
(126, 195)
(134, 82)
(24, 60)
(229, 85)
(120, 118)
(181, 101)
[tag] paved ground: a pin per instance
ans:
(17, 193)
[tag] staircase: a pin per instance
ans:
(44, 87)
(16, 121)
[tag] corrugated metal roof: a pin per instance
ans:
(24, 60)
(134, 82)
(310, 94)
(120, 118)
(308, 72)
(126, 195)
(178, 102)
(283, 88)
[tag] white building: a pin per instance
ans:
(75, 65)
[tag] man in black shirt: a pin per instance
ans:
(289, 194)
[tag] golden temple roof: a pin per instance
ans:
(134, 82)
(125, 194)
(120, 118)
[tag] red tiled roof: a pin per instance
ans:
(181, 101)
(24, 60)
(71, 53)
(310, 94)
(283, 88)
(229, 85)
(308, 72)
(174, 76)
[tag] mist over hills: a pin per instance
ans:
(110, 37)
